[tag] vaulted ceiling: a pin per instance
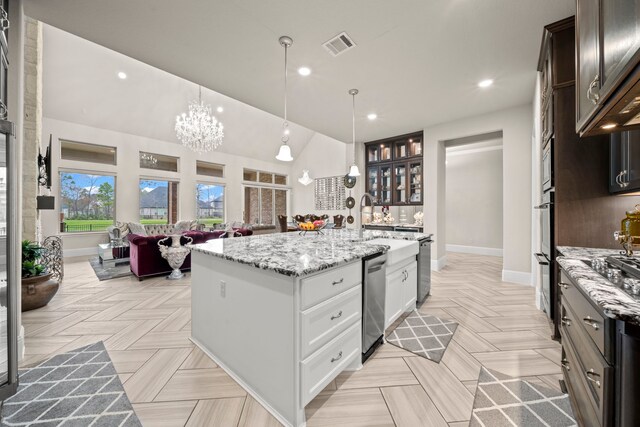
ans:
(416, 63)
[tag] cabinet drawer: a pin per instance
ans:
(323, 322)
(324, 365)
(595, 372)
(587, 317)
(586, 415)
(323, 286)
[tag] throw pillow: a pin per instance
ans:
(124, 229)
(137, 228)
(182, 226)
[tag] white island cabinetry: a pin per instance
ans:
(402, 289)
(282, 338)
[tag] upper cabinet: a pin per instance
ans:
(624, 174)
(394, 170)
(608, 66)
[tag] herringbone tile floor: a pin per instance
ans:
(145, 327)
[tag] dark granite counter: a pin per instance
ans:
(615, 302)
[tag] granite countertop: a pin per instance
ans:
(296, 255)
(395, 224)
(615, 302)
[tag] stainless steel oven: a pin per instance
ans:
(545, 256)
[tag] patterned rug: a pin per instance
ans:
(425, 335)
(503, 401)
(78, 388)
(120, 270)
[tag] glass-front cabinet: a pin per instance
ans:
(394, 170)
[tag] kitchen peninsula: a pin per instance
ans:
(282, 313)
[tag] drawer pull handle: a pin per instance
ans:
(563, 285)
(565, 321)
(337, 315)
(565, 364)
(337, 282)
(591, 322)
(338, 357)
(590, 373)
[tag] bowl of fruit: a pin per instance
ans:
(316, 226)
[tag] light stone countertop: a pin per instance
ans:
(292, 254)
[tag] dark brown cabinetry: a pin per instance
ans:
(394, 170)
(607, 68)
(624, 171)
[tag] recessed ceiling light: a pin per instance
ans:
(122, 75)
(219, 109)
(372, 116)
(485, 83)
(609, 126)
(304, 71)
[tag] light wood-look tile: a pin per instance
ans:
(145, 326)
(450, 396)
(198, 360)
(197, 384)
(164, 414)
(517, 340)
(354, 408)
(378, 373)
(518, 363)
(460, 362)
(411, 406)
(149, 380)
(217, 412)
(254, 415)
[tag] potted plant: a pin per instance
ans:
(37, 286)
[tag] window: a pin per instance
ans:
(210, 203)
(158, 162)
(83, 152)
(87, 201)
(158, 201)
(209, 169)
(265, 200)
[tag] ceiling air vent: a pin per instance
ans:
(339, 44)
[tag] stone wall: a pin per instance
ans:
(32, 127)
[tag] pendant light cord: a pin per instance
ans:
(286, 48)
(200, 94)
(354, 127)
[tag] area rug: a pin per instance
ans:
(503, 401)
(422, 334)
(78, 388)
(120, 270)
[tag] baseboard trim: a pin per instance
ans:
(69, 253)
(478, 250)
(244, 385)
(438, 264)
(518, 277)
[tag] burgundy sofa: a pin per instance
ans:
(146, 260)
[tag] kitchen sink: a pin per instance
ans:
(399, 250)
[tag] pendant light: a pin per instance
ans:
(354, 171)
(284, 154)
(305, 179)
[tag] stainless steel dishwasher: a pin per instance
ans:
(373, 297)
(424, 270)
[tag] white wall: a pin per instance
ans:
(516, 126)
(322, 157)
(474, 201)
(128, 175)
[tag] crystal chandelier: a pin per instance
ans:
(199, 131)
(148, 160)
(284, 154)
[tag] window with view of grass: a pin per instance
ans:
(210, 203)
(158, 201)
(87, 201)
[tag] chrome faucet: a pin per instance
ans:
(373, 201)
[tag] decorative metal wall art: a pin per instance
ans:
(330, 193)
(52, 257)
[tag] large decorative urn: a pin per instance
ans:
(174, 254)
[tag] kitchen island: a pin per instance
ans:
(282, 313)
